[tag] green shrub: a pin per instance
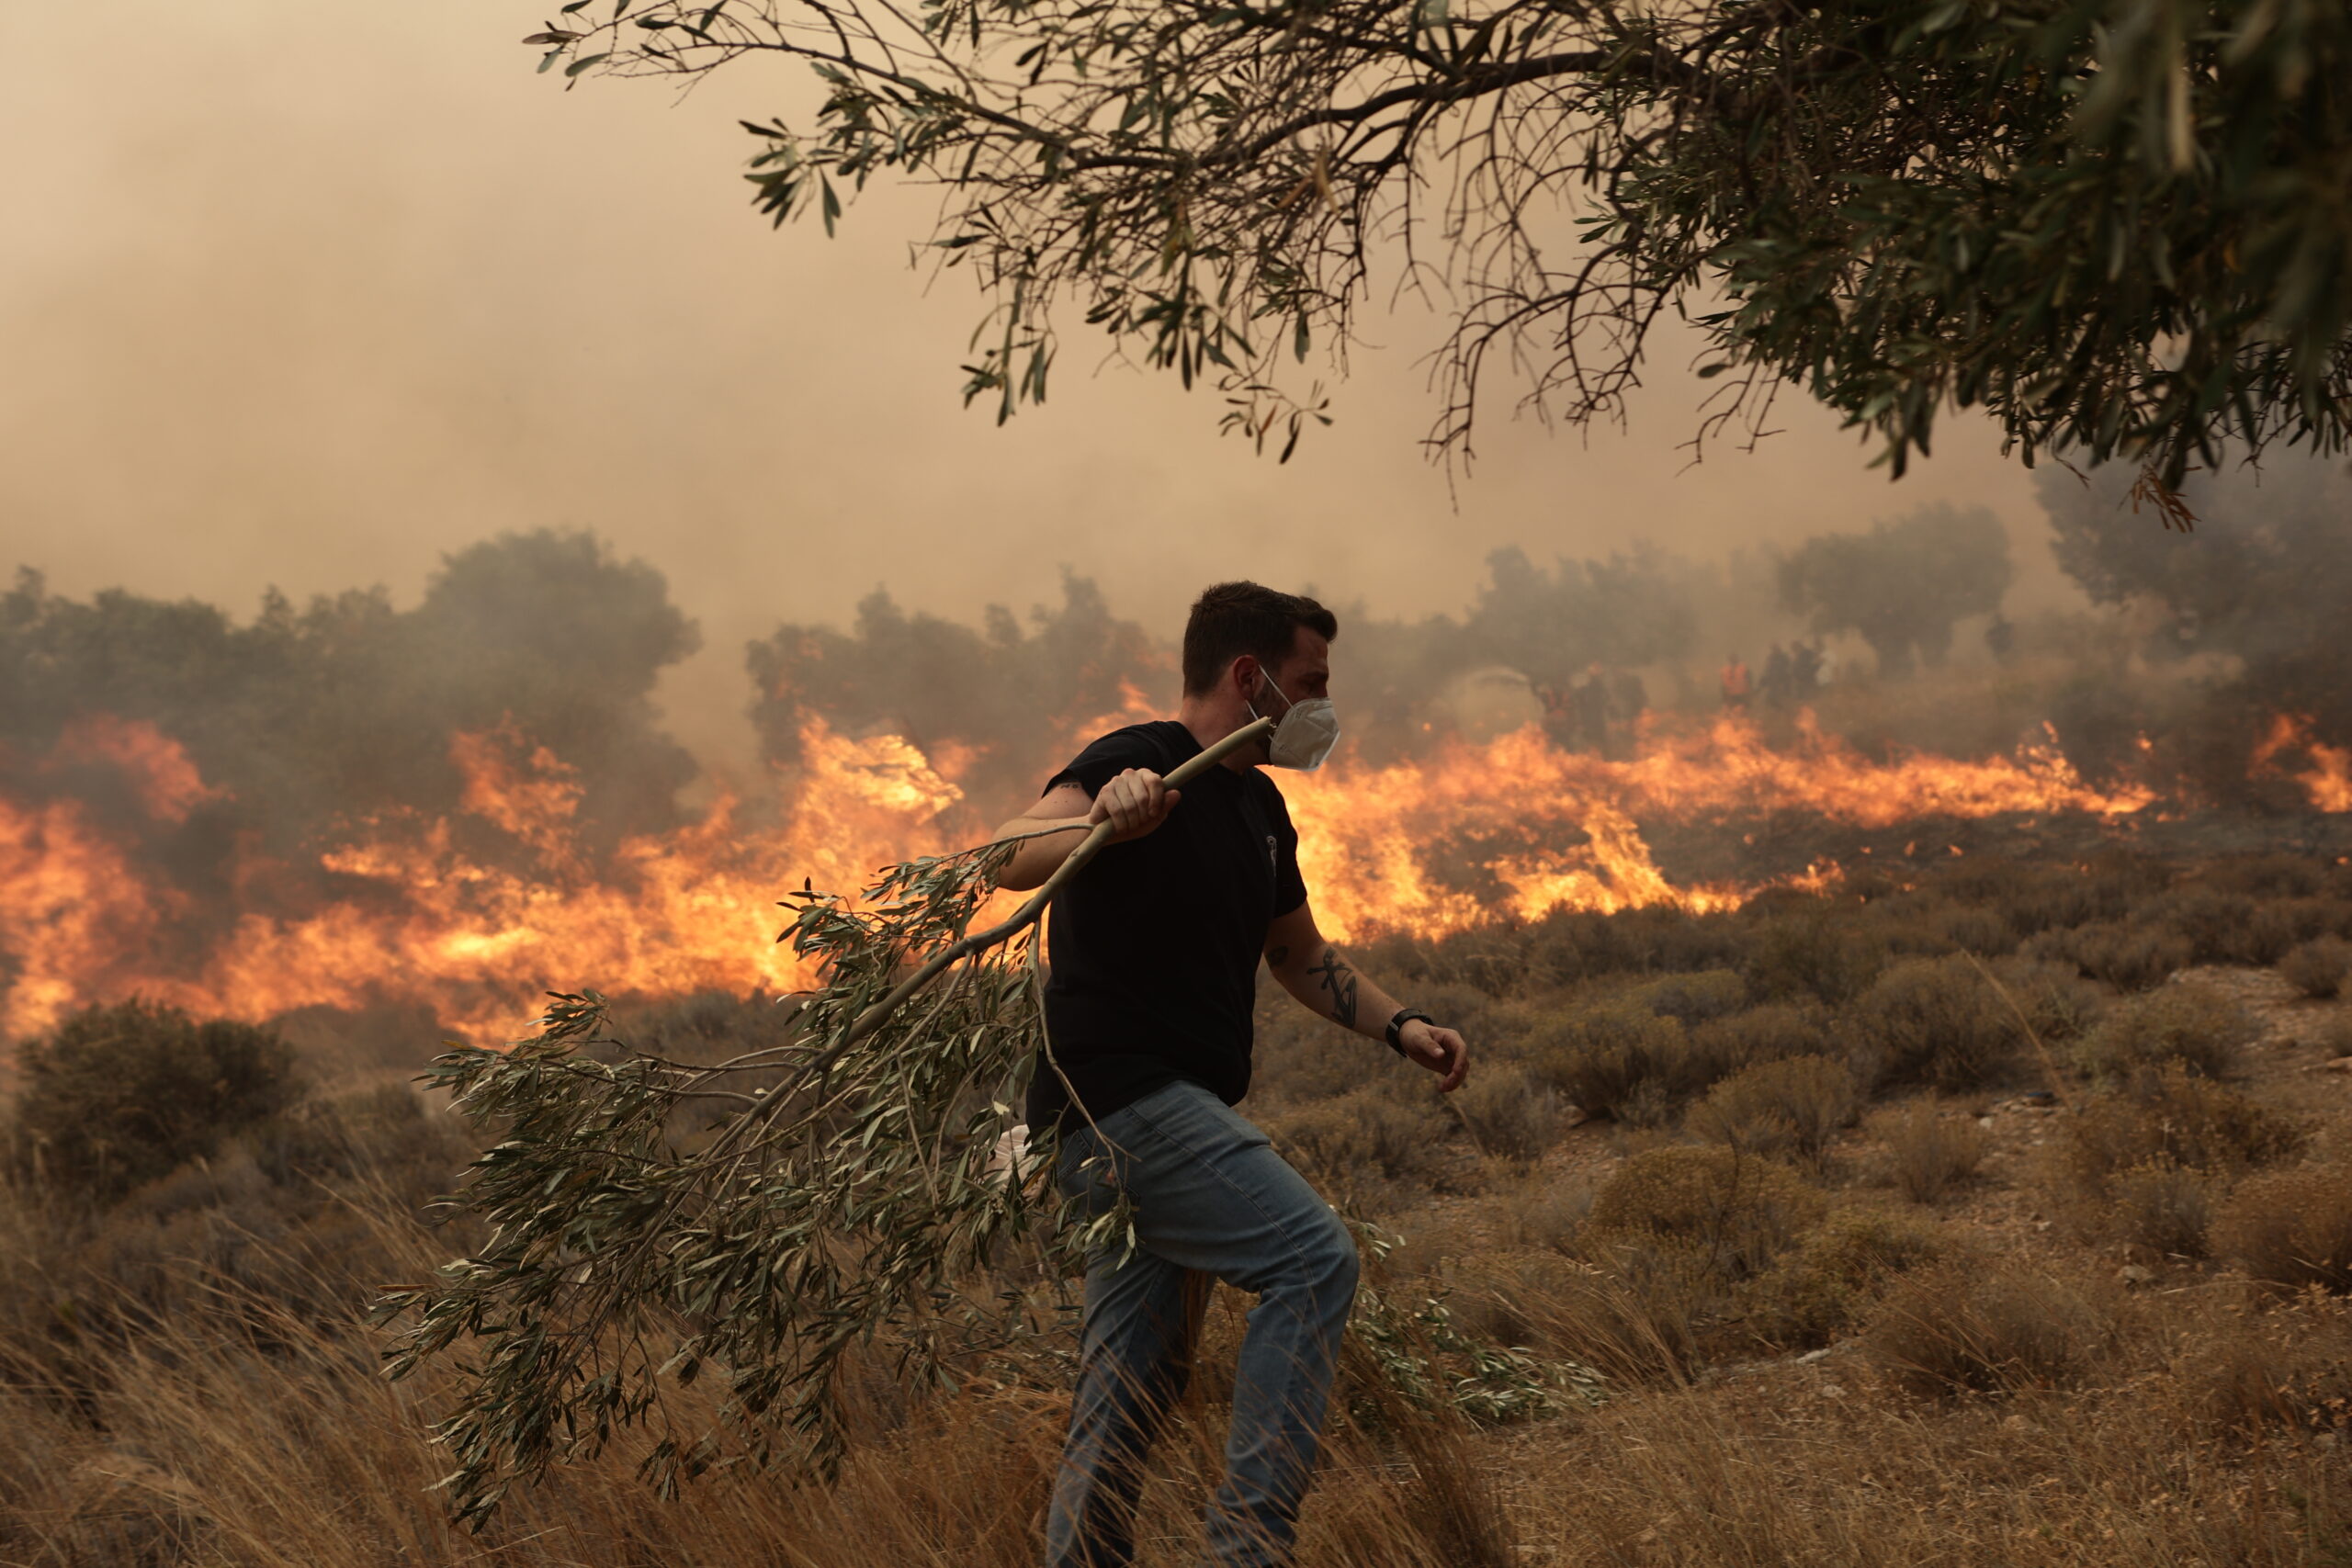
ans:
(1728, 1214)
(1811, 955)
(1510, 1113)
(1962, 1328)
(2317, 968)
(2200, 1026)
(1927, 1152)
(1934, 1022)
(1793, 1106)
(2292, 1228)
(117, 1096)
(2174, 1117)
(1835, 1274)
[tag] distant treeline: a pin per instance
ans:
(309, 717)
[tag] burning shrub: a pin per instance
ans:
(1929, 1153)
(2317, 968)
(2292, 1228)
(2134, 957)
(2199, 1026)
(1510, 1115)
(1811, 955)
(1934, 1022)
(1841, 1268)
(1962, 1328)
(1793, 1106)
(120, 1095)
(2171, 1116)
(1728, 1214)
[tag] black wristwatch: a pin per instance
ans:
(1397, 1027)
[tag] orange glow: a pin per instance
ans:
(2328, 780)
(1469, 835)
(1363, 832)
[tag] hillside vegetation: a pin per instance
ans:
(1995, 1212)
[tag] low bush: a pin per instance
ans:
(1567, 945)
(2199, 1026)
(1510, 1115)
(1811, 955)
(1359, 1136)
(2268, 877)
(2134, 957)
(1726, 1213)
(2292, 1228)
(1934, 1022)
(2317, 968)
(2174, 1117)
(1617, 1059)
(2158, 1208)
(1929, 1153)
(2223, 927)
(1768, 1033)
(1835, 1274)
(1964, 1328)
(117, 1096)
(1793, 1106)
(2055, 998)
(1694, 999)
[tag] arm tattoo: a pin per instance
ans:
(1341, 981)
(1278, 956)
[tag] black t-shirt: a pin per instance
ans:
(1154, 946)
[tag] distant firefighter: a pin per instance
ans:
(1737, 688)
(1780, 679)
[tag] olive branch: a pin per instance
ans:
(772, 1220)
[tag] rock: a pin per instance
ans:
(2341, 1065)
(1573, 1116)
(2136, 1274)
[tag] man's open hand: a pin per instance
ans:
(1134, 804)
(1439, 1050)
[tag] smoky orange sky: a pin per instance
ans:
(309, 295)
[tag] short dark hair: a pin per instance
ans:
(1230, 619)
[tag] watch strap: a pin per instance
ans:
(1397, 1027)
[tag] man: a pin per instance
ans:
(1154, 948)
(1735, 683)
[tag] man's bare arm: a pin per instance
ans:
(1134, 804)
(1321, 976)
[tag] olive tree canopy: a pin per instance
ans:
(2116, 226)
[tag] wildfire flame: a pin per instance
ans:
(1474, 833)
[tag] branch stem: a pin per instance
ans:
(873, 1018)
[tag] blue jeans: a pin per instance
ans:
(1210, 1195)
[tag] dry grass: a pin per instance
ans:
(182, 1383)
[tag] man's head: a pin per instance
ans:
(1243, 637)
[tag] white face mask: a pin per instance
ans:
(1305, 734)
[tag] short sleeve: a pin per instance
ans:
(1107, 758)
(1290, 883)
